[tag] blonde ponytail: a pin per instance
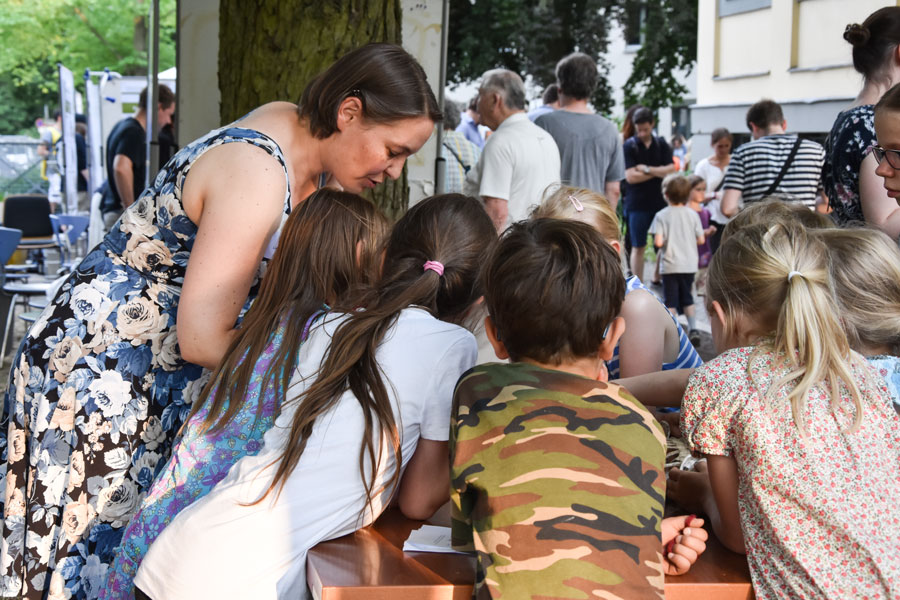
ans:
(778, 277)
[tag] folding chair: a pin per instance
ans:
(30, 213)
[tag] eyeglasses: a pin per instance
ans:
(893, 156)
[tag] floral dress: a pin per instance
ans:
(99, 390)
(819, 513)
(850, 140)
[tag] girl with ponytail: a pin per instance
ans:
(802, 442)
(368, 399)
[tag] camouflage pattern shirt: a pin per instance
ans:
(557, 484)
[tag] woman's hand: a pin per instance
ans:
(684, 540)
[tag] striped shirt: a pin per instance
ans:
(755, 165)
(687, 356)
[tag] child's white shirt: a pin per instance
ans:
(221, 547)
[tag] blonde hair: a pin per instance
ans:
(773, 209)
(564, 202)
(676, 188)
(777, 276)
(865, 268)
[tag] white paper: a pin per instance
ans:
(430, 538)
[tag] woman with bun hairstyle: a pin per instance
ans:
(854, 191)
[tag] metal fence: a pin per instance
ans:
(20, 166)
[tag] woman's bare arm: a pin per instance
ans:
(239, 191)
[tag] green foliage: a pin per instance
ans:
(669, 44)
(527, 36)
(80, 34)
(530, 36)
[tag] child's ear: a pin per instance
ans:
(719, 313)
(615, 331)
(491, 331)
(617, 245)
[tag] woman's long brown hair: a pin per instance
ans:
(451, 229)
(328, 250)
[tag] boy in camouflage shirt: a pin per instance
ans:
(557, 476)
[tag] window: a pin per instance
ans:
(733, 7)
(635, 14)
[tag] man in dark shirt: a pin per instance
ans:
(126, 155)
(647, 160)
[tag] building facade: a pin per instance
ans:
(791, 51)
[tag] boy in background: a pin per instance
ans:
(557, 476)
(678, 231)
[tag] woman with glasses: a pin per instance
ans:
(854, 191)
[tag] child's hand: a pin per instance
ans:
(690, 489)
(710, 230)
(682, 544)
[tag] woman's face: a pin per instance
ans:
(722, 148)
(365, 153)
(887, 132)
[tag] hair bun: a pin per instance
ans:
(857, 34)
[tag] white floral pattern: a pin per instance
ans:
(99, 391)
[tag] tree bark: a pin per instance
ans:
(270, 49)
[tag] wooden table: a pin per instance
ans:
(371, 565)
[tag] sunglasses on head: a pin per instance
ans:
(893, 156)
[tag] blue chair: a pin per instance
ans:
(9, 241)
(68, 229)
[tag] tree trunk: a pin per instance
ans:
(270, 49)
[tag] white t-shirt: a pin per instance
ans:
(519, 161)
(221, 547)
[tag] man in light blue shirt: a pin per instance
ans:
(469, 121)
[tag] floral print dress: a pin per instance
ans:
(851, 139)
(819, 513)
(99, 390)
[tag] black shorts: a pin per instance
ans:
(677, 290)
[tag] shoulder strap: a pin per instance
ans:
(784, 167)
(458, 157)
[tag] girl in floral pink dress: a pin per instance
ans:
(802, 442)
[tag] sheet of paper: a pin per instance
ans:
(429, 538)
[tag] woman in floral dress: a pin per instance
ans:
(106, 376)
(855, 193)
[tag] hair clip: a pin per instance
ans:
(433, 265)
(578, 205)
(606, 331)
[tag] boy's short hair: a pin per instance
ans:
(552, 286)
(676, 188)
(764, 113)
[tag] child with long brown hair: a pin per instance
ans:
(328, 250)
(802, 443)
(369, 398)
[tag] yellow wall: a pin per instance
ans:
(791, 51)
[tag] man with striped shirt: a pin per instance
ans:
(773, 163)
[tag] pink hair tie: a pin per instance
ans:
(433, 265)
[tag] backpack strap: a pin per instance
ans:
(784, 167)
